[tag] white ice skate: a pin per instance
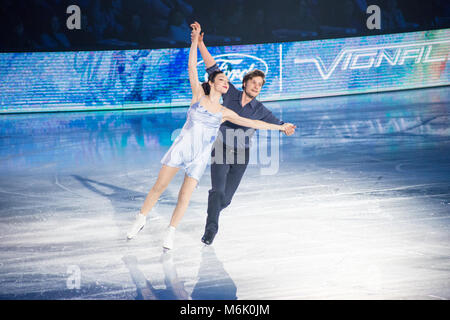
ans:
(168, 239)
(137, 226)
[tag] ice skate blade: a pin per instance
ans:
(130, 237)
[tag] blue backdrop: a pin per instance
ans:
(93, 80)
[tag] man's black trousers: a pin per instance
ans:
(226, 174)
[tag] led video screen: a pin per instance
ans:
(98, 80)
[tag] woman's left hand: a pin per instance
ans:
(288, 128)
(195, 33)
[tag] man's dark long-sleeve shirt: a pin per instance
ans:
(254, 110)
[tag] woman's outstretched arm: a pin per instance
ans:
(230, 115)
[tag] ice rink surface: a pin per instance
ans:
(354, 205)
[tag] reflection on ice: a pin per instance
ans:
(213, 283)
(358, 208)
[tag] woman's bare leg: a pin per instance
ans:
(165, 175)
(184, 196)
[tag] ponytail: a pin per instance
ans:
(206, 88)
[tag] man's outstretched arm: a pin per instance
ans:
(268, 116)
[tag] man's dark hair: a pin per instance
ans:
(254, 73)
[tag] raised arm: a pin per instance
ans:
(196, 87)
(210, 62)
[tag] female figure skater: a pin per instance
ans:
(191, 149)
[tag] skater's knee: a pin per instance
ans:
(225, 203)
(217, 194)
(159, 187)
(217, 190)
(184, 197)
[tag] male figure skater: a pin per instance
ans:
(225, 174)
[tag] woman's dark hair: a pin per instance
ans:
(205, 85)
